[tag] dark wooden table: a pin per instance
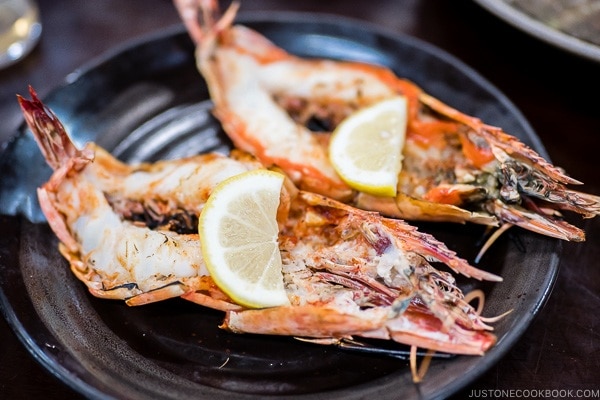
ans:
(561, 348)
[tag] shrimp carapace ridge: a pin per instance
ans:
(347, 272)
(455, 167)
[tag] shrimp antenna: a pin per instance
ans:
(488, 243)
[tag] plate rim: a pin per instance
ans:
(541, 31)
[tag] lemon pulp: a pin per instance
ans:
(238, 235)
(366, 148)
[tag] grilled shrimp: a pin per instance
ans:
(129, 232)
(455, 167)
(348, 272)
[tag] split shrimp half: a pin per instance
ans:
(130, 232)
(455, 168)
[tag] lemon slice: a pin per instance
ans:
(366, 148)
(238, 234)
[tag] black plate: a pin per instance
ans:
(146, 101)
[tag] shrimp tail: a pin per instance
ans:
(60, 153)
(50, 134)
(203, 19)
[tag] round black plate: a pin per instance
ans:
(146, 101)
